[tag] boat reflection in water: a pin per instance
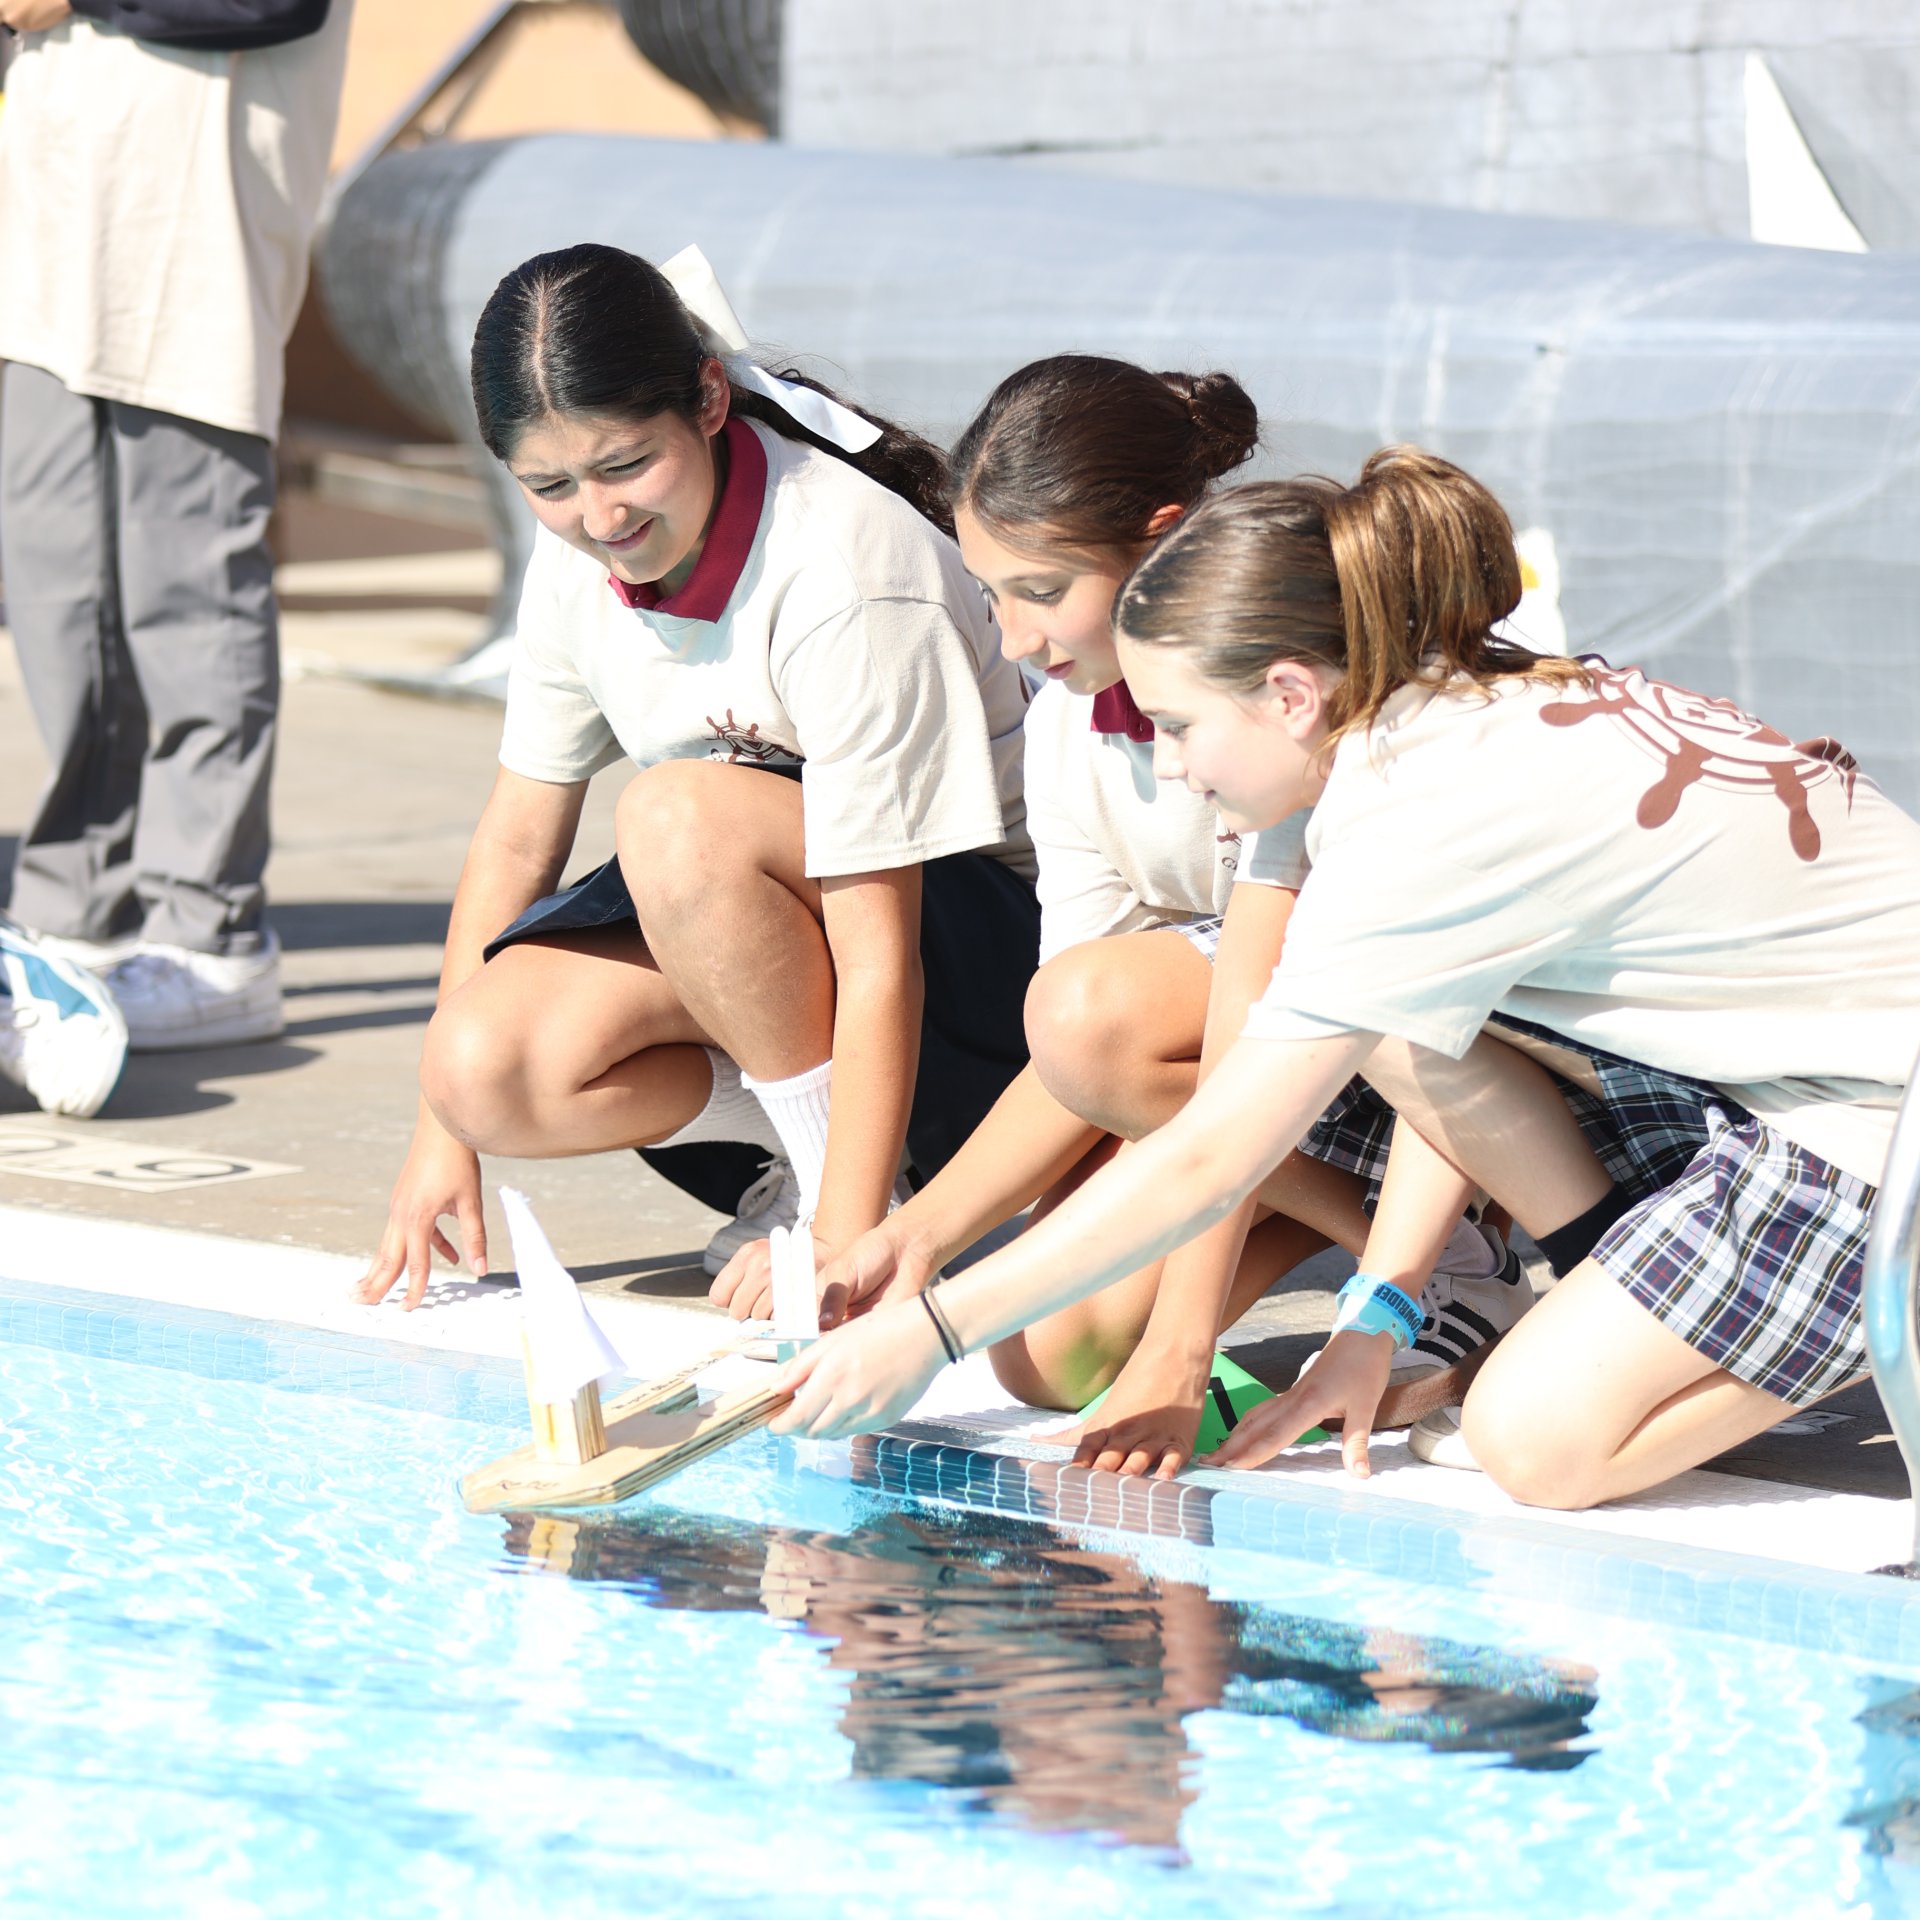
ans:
(1048, 1682)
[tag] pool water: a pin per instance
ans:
(257, 1659)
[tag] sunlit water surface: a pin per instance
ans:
(257, 1660)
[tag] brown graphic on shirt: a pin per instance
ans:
(1715, 744)
(1229, 845)
(743, 744)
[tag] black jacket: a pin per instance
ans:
(209, 26)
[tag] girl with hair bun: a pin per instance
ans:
(819, 922)
(1637, 963)
(1066, 477)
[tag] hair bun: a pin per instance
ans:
(1224, 417)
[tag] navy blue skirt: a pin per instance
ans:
(979, 946)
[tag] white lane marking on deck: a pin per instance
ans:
(125, 1166)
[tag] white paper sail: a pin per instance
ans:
(566, 1345)
(796, 1308)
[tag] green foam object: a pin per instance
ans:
(1241, 1391)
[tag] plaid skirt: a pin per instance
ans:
(1743, 1243)
(1202, 935)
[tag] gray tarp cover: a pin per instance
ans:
(1720, 437)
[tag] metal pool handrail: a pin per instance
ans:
(1887, 1293)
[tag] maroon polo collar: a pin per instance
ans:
(729, 539)
(1114, 712)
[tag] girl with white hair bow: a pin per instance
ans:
(737, 577)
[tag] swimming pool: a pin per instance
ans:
(259, 1661)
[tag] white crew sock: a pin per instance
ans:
(1472, 1253)
(798, 1109)
(731, 1112)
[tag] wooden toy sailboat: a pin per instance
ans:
(584, 1454)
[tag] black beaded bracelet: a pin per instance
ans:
(955, 1351)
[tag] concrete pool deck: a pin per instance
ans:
(254, 1180)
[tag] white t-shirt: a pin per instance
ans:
(826, 626)
(1276, 856)
(156, 208)
(1640, 868)
(1122, 852)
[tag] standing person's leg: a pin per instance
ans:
(192, 507)
(73, 875)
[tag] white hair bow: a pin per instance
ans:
(691, 276)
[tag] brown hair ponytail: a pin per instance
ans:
(1399, 579)
(1081, 451)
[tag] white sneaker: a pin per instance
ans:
(175, 998)
(772, 1201)
(1436, 1438)
(97, 956)
(61, 1036)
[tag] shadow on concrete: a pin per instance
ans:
(358, 1022)
(307, 926)
(659, 1276)
(420, 983)
(157, 1086)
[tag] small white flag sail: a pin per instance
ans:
(796, 1307)
(566, 1345)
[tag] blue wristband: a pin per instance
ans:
(1371, 1303)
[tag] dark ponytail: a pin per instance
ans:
(1081, 451)
(1396, 580)
(592, 329)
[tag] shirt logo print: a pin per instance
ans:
(743, 744)
(1711, 743)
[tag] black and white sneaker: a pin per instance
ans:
(1468, 1312)
(1467, 1316)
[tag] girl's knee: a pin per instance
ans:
(668, 817)
(468, 1074)
(1022, 1373)
(1077, 1032)
(1531, 1455)
(688, 831)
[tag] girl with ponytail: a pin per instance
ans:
(1070, 472)
(1637, 963)
(743, 589)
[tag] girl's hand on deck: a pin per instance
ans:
(884, 1264)
(1147, 1423)
(862, 1376)
(1344, 1385)
(441, 1177)
(745, 1285)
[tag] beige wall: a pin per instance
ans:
(561, 64)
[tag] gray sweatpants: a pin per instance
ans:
(140, 594)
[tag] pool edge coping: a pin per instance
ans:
(184, 1269)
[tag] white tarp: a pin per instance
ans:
(1719, 439)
